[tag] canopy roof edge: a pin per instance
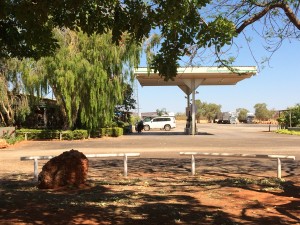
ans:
(208, 75)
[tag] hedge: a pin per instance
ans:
(111, 132)
(36, 134)
(39, 134)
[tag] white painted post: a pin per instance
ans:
(60, 136)
(125, 165)
(193, 165)
(36, 172)
(278, 168)
(25, 136)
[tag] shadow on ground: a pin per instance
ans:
(159, 191)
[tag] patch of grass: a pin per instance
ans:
(14, 140)
(264, 184)
(127, 182)
(290, 132)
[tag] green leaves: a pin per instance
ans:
(218, 33)
(26, 26)
(261, 111)
(88, 74)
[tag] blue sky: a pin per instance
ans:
(277, 84)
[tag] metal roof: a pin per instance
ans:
(199, 75)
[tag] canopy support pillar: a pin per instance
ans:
(193, 108)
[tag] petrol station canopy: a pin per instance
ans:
(188, 79)
(200, 75)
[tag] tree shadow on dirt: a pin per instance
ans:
(22, 202)
(157, 191)
(227, 173)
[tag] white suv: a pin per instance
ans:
(161, 122)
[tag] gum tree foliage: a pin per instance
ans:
(273, 21)
(187, 27)
(88, 76)
(207, 110)
(291, 116)
(128, 101)
(161, 112)
(242, 114)
(262, 112)
(13, 103)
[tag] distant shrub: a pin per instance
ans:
(290, 132)
(111, 132)
(80, 134)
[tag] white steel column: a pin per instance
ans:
(193, 107)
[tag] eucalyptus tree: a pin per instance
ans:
(207, 110)
(188, 28)
(242, 114)
(88, 76)
(161, 112)
(290, 117)
(129, 101)
(295, 115)
(13, 102)
(262, 112)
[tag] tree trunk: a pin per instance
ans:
(62, 107)
(8, 117)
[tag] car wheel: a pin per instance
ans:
(146, 128)
(167, 127)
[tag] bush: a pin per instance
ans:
(111, 132)
(67, 135)
(14, 140)
(80, 134)
(35, 134)
(127, 129)
(117, 131)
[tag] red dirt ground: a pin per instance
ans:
(159, 191)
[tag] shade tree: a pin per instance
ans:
(13, 102)
(290, 117)
(242, 114)
(262, 112)
(88, 76)
(207, 110)
(188, 28)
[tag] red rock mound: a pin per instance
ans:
(68, 169)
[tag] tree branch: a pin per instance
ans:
(291, 15)
(288, 12)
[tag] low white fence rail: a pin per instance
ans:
(192, 154)
(221, 155)
(105, 155)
